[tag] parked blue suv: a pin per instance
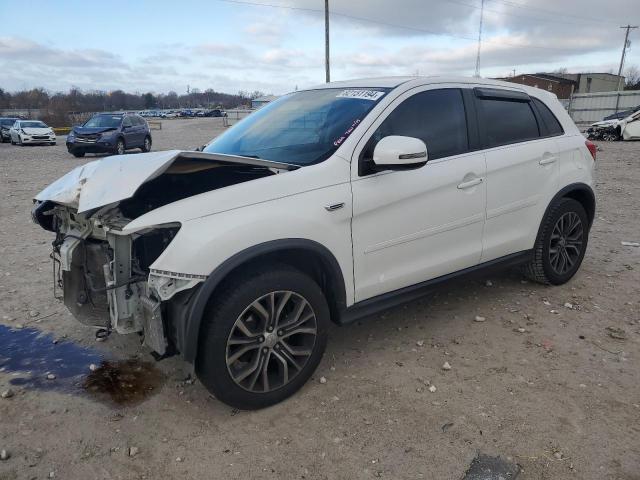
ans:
(110, 133)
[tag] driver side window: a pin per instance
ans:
(437, 117)
(127, 122)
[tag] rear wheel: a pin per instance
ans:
(263, 338)
(561, 243)
(146, 146)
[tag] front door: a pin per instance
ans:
(412, 226)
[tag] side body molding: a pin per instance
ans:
(194, 315)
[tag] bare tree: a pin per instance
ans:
(632, 78)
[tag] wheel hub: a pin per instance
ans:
(270, 339)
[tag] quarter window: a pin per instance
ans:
(548, 118)
(437, 117)
(508, 121)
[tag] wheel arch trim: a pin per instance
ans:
(193, 317)
(573, 188)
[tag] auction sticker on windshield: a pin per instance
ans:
(361, 94)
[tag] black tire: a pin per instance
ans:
(230, 304)
(78, 154)
(120, 148)
(555, 261)
(146, 146)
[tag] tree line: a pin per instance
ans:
(57, 108)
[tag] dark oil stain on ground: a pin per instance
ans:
(125, 382)
(485, 467)
(32, 355)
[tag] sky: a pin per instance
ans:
(276, 46)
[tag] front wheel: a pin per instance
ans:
(120, 149)
(263, 337)
(561, 243)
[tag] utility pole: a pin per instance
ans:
(326, 41)
(479, 39)
(624, 51)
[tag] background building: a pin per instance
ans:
(564, 84)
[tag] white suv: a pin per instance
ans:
(328, 204)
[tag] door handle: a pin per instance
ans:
(547, 159)
(471, 183)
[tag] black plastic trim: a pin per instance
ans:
(573, 187)
(388, 300)
(501, 94)
(197, 307)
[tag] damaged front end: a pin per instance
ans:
(104, 270)
(105, 275)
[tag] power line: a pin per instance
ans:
(552, 12)
(388, 24)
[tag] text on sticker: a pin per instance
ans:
(361, 94)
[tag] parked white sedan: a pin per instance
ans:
(31, 132)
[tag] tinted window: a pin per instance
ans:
(548, 118)
(436, 117)
(127, 122)
(507, 122)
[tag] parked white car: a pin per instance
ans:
(25, 132)
(328, 204)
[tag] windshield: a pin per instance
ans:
(301, 128)
(32, 125)
(104, 121)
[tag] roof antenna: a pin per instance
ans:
(479, 39)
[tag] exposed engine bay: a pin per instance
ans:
(106, 275)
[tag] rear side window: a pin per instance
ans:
(437, 117)
(548, 118)
(507, 121)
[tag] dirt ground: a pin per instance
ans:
(541, 382)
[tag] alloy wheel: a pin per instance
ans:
(566, 243)
(120, 147)
(271, 341)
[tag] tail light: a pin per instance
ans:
(592, 148)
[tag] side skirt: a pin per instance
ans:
(388, 300)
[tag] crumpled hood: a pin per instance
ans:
(605, 123)
(90, 130)
(116, 178)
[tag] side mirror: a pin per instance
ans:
(400, 153)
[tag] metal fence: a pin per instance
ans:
(235, 115)
(586, 108)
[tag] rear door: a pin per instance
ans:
(522, 170)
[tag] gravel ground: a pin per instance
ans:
(541, 382)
